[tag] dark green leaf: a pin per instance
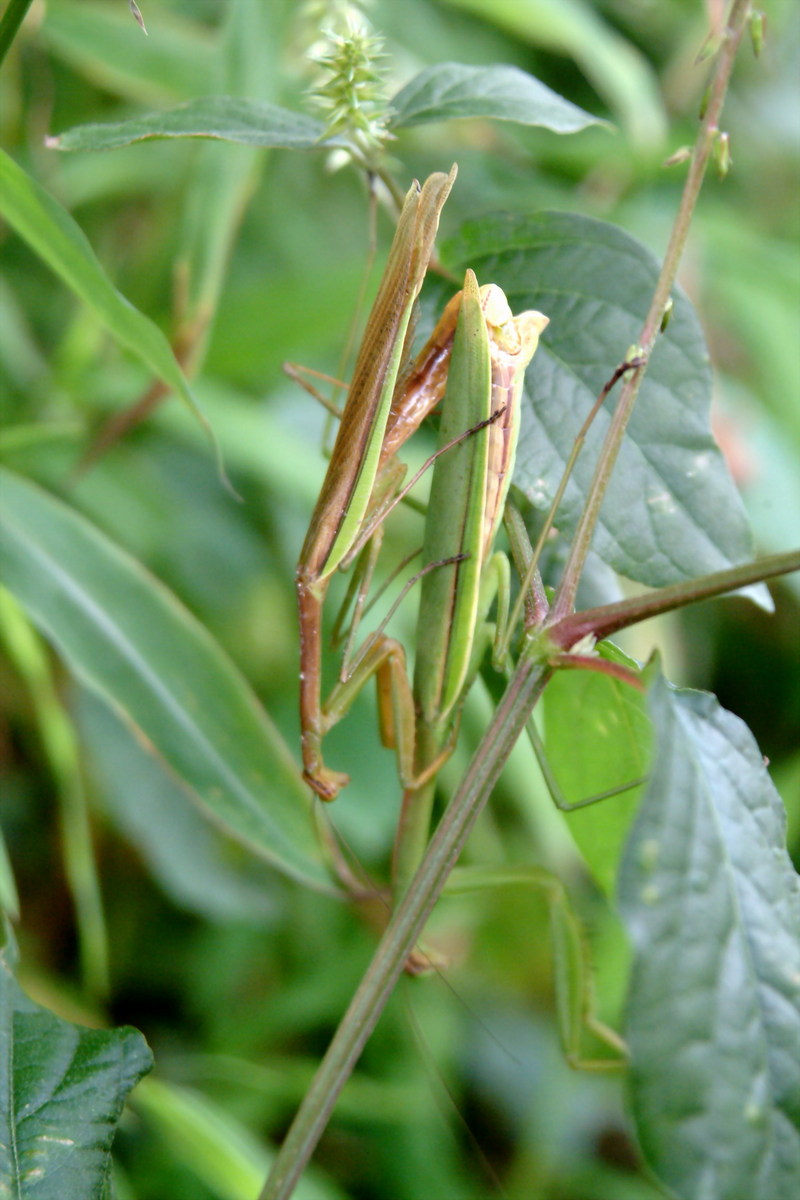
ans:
(672, 511)
(230, 118)
(131, 642)
(712, 905)
(62, 1089)
(452, 90)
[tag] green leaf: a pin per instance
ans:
(132, 643)
(451, 91)
(230, 118)
(58, 240)
(712, 905)
(9, 898)
(62, 1089)
(56, 734)
(618, 71)
(605, 719)
(188, 858)
(671, 511)
(225, 175)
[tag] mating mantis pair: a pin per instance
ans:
(474, 363)
(476, 357)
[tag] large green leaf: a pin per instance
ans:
(131, 642)
(453, 90)
(58, 240)
(672, 511)
(62, 1089)
(712, 905)
(230, 118)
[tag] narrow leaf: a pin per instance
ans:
(187, 856)
(137, 16)
(225, 175)
(450, 91)
(230, 118)
(9, 897)
(132, 643)
(672, 511)
(712, 905)
(58, 240)
(56, 733)
(62, 1089)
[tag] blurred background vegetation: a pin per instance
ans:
(236, 977)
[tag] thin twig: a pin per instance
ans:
(709, 130)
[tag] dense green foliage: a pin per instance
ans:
(142, 885)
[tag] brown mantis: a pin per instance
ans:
(361, 475)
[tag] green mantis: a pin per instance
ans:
(491, 351)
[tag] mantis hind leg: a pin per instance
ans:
(553, 786)
(385, 659)
(573, 981)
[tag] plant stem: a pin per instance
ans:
(405, 927)
(604, 621)
(564, 601)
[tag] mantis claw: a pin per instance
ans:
(326, 782)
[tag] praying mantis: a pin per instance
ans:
(362, 475)
(491, 350)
